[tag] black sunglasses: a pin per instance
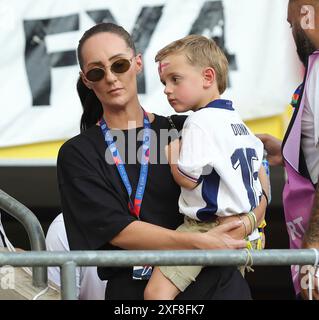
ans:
(118, 66)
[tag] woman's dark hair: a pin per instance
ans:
(92, 107)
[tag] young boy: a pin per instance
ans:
(220, 158)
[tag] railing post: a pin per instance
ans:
(34, 230)
(68, 281)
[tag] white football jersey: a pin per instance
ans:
(223, 156)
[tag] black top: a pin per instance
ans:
(93, 196)
(95, 205)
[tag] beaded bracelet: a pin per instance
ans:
(252, 214)
(252, 222)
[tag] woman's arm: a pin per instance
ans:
(140, 235)
(95, 212)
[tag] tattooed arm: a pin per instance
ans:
(311, 240)
(311, 237)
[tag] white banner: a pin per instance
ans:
(38, 67)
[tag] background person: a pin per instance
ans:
(299, 151)
(89, 285)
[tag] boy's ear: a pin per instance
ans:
(209, 75)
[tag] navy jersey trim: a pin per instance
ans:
(220, 104)
(209, 193)
(193, 179)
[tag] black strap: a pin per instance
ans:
(294, 115)
(265, 194)
(174, 129)
(169, 118)
(176, 121)
(303, 169)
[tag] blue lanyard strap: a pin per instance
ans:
(135, 207)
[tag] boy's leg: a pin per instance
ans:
(168, 281)
(159, 287)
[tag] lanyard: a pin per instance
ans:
(136, 207)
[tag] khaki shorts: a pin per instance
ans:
(183, 276)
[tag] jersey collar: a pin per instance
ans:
(221, 104)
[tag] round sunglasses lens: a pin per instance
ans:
(95, 74)
(121, 66)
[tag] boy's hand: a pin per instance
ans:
(172, 151)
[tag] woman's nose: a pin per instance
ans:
(109, 76)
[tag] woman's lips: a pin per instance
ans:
(114, 91)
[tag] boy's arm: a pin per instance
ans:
(181, 180)
(172, 154)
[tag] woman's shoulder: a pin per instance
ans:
(168, 122)
(82, 143)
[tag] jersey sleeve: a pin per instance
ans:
(94, 210)
(195, 157)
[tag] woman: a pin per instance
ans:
(98, 212)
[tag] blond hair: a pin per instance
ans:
(200, 51)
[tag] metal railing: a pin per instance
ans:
(39, 259)
(68, 261)
(34, 231)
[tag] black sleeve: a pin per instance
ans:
(93, 209)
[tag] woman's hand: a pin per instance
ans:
(219, 237)
(273, 148)
(241, 231)
(238, 232)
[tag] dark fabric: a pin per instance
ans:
(213, 283)
(303, 170)
(95, 206)
(94, 199)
